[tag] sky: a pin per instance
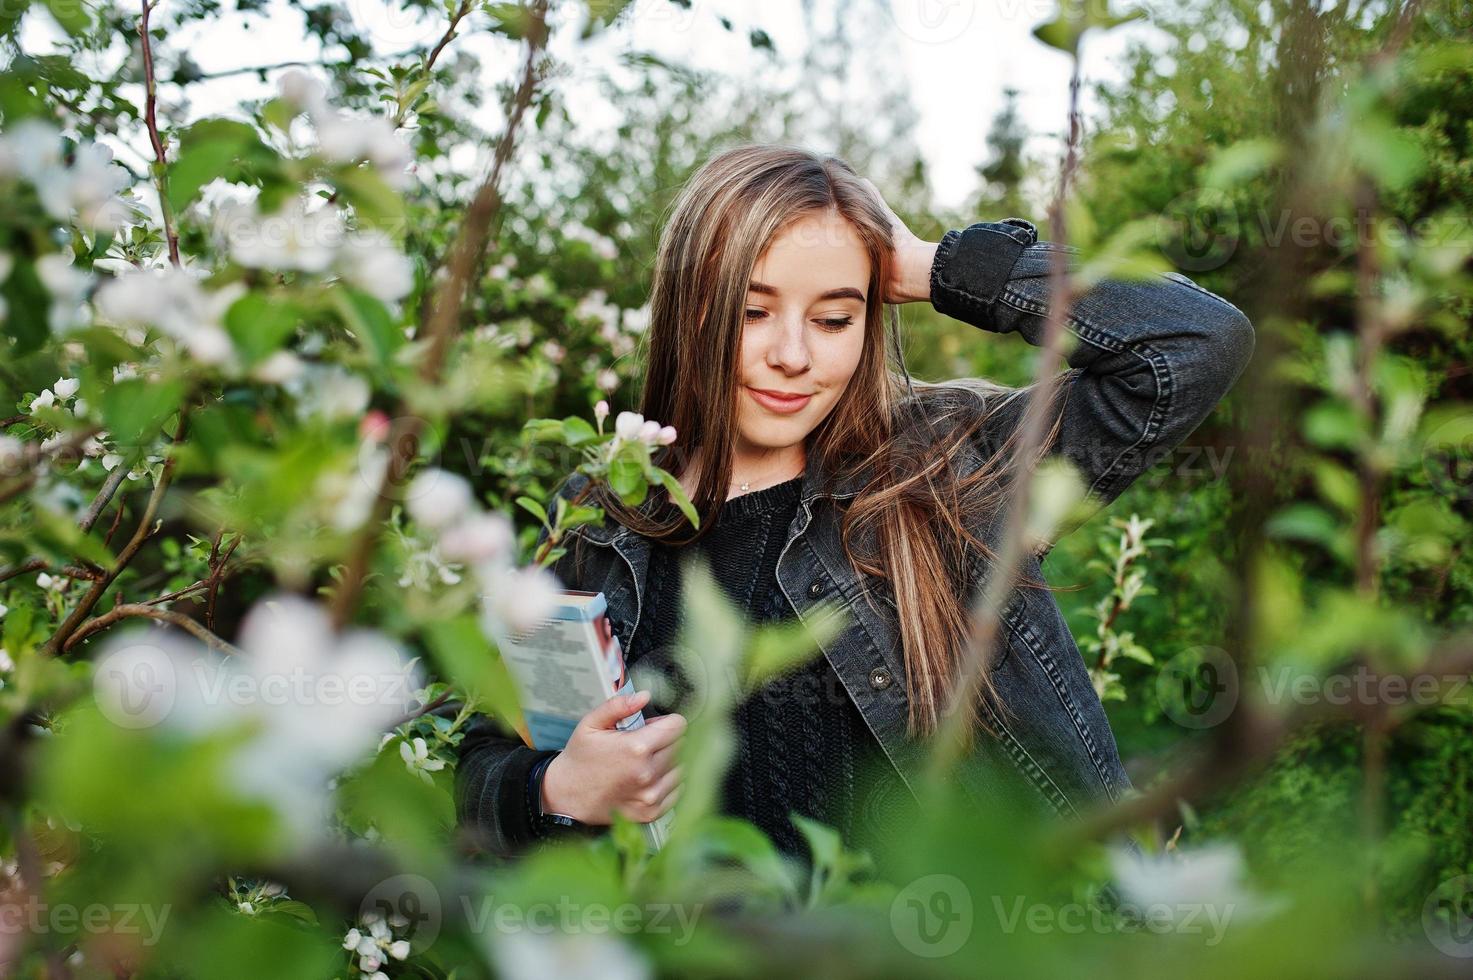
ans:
(957, 57)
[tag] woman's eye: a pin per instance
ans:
(837, 324)
(756, 314)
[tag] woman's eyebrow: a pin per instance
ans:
(842, 292)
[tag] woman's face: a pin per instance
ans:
(804, 330)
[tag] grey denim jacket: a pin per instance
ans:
(1151, 359)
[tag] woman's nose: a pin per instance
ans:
(789, 349)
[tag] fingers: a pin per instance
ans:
(608, 714)
(659, 732)
(664, 758)
(649, 803)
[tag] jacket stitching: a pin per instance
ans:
(1160, 367)
(1056, 680)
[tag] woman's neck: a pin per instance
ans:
(757, 468)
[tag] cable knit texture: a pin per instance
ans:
(800, 740)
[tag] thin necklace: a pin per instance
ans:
(746, 485)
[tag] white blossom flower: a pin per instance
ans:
(278, 368)
(478, 538)
(173, 301)
(627, 425)
(606, 379)
(302, 91)
(292, 238)
(516, 599)
(437, 498)
(399, 949)
(66, 387)
(46, 399)
(29, 148)
(309, 700)
(89, 187)
(373, 264)
(417, 759)
(568, 955)
(67, 285)
(353, 937)
(1185, 881)
(348, 139)
(328, 392)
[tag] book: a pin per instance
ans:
(563, 668)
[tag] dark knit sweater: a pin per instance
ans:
(801, 742)
(802, 745)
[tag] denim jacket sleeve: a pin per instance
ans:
(492, 799)
(1150, 357)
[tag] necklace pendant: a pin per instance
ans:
(746, 486)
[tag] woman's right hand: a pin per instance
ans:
(603, 771)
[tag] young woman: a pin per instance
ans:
(822, 472)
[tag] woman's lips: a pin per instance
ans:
(775, 403)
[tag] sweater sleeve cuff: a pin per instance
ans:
(515, 809)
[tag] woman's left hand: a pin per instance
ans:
(910, 272)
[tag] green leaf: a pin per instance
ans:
(543, 430)
(626, 476)
(775, 649)
(134, 410)
(534, 508)
(509, 19)
(370, 322)
(677, 494)
(473, 665)
(71, 15)
(376, 204)
(258, 324)
(27, 308)
(577, 432)
(1074, 20)
(601, 13)
(214, 148)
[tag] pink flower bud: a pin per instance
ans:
(374, 426)
(667, 435)
(649, 432)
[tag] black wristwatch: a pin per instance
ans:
(543, 820)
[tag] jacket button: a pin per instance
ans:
(817, 588)
(879, 678)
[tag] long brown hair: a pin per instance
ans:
(914, 510)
